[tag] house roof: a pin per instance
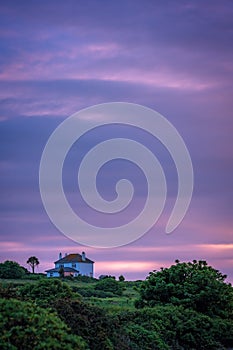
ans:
(66, 269)
(73, 258)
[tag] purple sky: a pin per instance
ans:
(173, 56)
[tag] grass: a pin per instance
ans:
(17, 281)
(126, 300)
(113, 303)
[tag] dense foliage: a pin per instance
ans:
(121, 278)
(174, 327)
(185, 307)
(11, 269)
(26, 326)
(110, 285)
(193, 285)
(44, 291)
(88, 321)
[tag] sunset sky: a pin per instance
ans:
(176, 57)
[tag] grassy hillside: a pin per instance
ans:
(88, 292)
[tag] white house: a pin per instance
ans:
(73, 265)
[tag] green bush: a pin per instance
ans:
(110, 285)
(90, 292)
(11, 269)
(194, 285)
(173, 327)
(138, 337)
(46, 290)
(121, 278)
(85, 279)
(8, 291)
(28, 327)
(87, 321)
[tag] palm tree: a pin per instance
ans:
(33, 261)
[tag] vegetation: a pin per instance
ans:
(185, 307)
(61, 272)
(11, 269)
(87, 321)
(194, 285)
(174, 327)
(110, 285)
(33, 261)
(43, 292)
(25, 326)
(121, 278)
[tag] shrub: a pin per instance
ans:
(11, 269)
(46, 290)
(121, 278)
(26, 326)
(110, 285)
(194, 285)
(87, 321)
(85, 279)
(89, 292)
(173, 327)
(8, 291)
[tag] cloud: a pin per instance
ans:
(57, 58)
(177, 46)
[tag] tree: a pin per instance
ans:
(61, 272)
(32, 262)
(24, 325)
(121, 278)
(11, 269)
(194, 285)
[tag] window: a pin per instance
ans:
(51, 274)
(73, 265)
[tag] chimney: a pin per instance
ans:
(60, 256)
(83, 256)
